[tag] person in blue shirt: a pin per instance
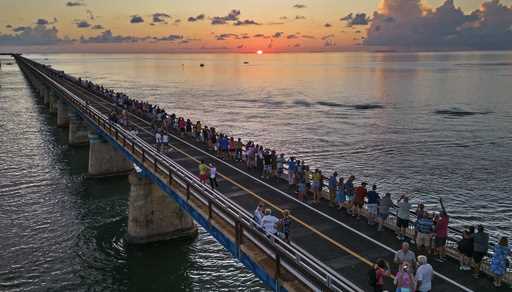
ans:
(425, 229)
(292, 168)
(373, 200)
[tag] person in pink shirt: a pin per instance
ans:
(441, 231)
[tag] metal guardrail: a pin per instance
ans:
(295, 260)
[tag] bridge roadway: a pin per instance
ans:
(347, 245)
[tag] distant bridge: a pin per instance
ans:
(328, 250)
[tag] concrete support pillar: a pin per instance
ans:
(52, 98)
(153, 215)
(62, 113)
(104, 160)
(46, 95)
(78, 130)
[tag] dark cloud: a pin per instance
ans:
(245, 22)
(277, 34)
(107, 37)
(357, 19)
(258, 35)
(283, 17)
(226, 36)
(27, 36)
(299, 6)
(97, 26)
(82, 24)
(136, 19)
(160, 17)
(75, 3)
(300, 17)
(171, 38)
(8, 26)
(177, 21)
(305, 36)
(240, 47)
(327, 25)
(196, 18)
(42, 21)
(406, 23)
(292, 36)
(274, 23)
(232, 16)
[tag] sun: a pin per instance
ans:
(259, 52)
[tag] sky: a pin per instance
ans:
(250, 25)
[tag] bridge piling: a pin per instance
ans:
(153, 216)
(52, 102)
(78, 134)
(104, 160)
(62, 114)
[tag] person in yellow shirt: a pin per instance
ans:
(203, 172)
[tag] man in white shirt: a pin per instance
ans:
(424, 275)
(269, 222)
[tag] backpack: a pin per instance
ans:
(372, 277)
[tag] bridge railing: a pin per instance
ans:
(296, 261)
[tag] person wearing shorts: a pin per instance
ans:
(373, 199)
(203, 172)
(424, 226)
(361, 194)
(480, 246)
(402, 220)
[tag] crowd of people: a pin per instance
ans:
(431, 229)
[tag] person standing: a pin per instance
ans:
(424, 275)
(213, 176)
(284, 225)
(349, 192)
(361, 194)
(404, 279)
(269, 222)
(378, 272)
(402, 220)
(384, 205)
(317, 180)
(258, 213)
(441, 230)
(203, 172)
(340, 193)
(373, 200)
(465, 247)
(405, 255)
(425, 228)
(333, 180)
(480, 247)
(499, 261)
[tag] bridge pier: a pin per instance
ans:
(45, 93)
(62, 113)
(104, 160)
(153, 215)
(52, 101)
(78, 131)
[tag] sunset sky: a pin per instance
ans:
(251, 25)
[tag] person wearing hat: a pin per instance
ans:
(361, 194)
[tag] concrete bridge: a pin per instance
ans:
(327, 251)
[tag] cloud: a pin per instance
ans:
(329, 43)
(136, 19)
(358, 18)
(305, 36)
(42, 21)
(327, 25)
(407, 23)
(108, 37)
(90, 14)
(292, 36)
(171, 38)
(75, 3)
(283, 17)
(259, 35)
(82, 24)
(8, 26)
(97, 26)
(159, 17)
(245, 22)
(277, 34)
(274, 23)
(232, 16)
(226, 36)
(299, 6)
(27, 36)
(326, 37)
(300, 17)
(196, 18)
(176, 22)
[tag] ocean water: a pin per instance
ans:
(431, 125)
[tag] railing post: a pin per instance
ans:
(278, 268)
(188, 194)
(169, 173)
(209, 210)
(143, 152)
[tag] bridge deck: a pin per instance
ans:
(345, 244)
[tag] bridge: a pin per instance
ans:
(327, 250)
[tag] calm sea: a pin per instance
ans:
(426, 124)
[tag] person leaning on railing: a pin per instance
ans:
(499, 261)
(480, 248)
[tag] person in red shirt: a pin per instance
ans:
(381, 270)
(441, 231)
(361, 194)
